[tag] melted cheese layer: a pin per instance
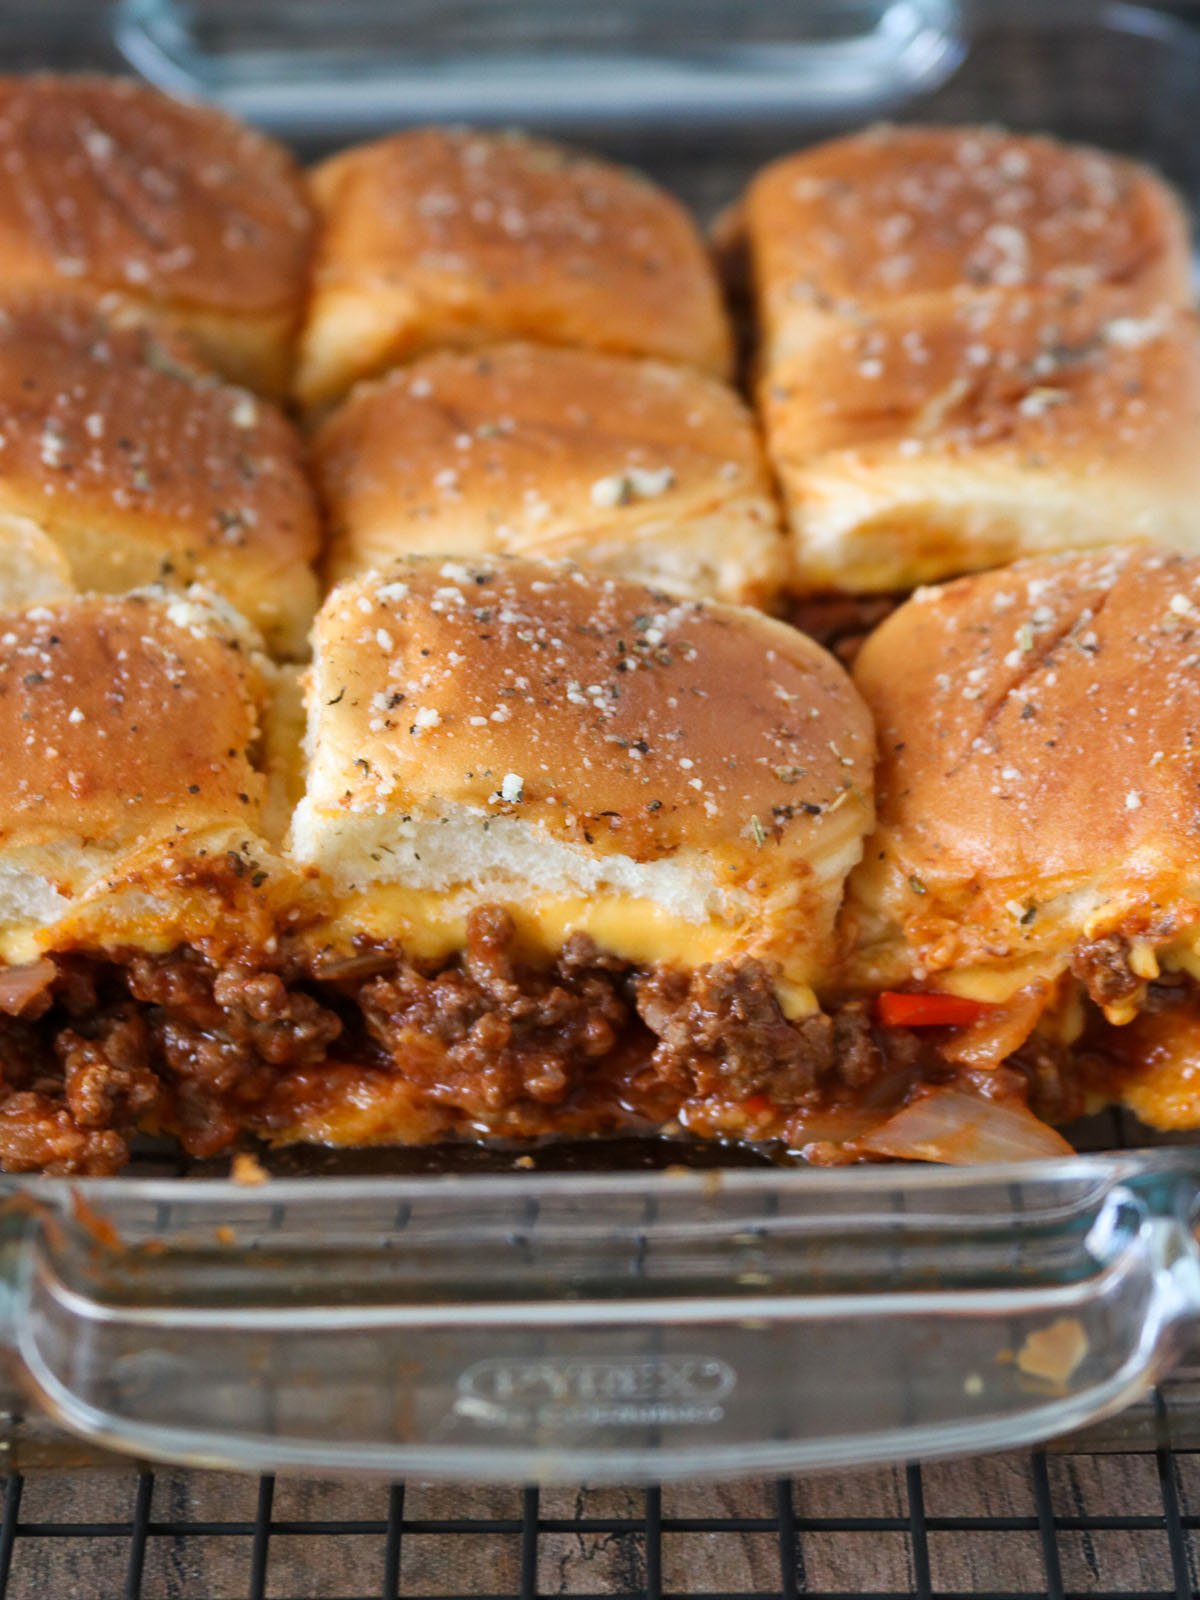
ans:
(432, 925)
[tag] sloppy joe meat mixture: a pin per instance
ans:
(486, 1044)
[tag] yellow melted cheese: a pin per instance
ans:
(431, 925)
(1182, 957)
(996, 985)
(992, 985)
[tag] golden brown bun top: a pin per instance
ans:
(107, 184)
(531, 240)
(1045, 378)
(630, 720)
(113, 426)
(1039, 735)
(552, 431)
(911, 210)
(124, 719)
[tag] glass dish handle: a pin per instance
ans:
(590, 1329)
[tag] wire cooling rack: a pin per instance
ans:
(1060, 1525)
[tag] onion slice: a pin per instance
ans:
(964, 1130)
(20, 985)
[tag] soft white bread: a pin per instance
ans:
(139, 467)
(904, 217)
(916, 445)
(133, 784)
(1039, 775)
(683, 782)
(636, 468)
(445, 236)
(110, 189)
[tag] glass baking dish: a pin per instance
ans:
(626, 1325)
(593, 1328)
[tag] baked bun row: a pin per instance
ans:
(430, 239)
(969, 346)
(535, 851)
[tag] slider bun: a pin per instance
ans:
(111, 188)
(444, 236)
(139, 467)
(632, 467)
(916, 445)
(131, 732)
(1039, 772)
(535, 735)
(895, 215)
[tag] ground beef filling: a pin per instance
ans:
(192, 1047)
(171, 1042)
(1102, 967)
(652, 1038)
(196, 1048)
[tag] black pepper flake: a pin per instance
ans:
(915, 884)
(654, 805)
(193, 788)
(338, 697)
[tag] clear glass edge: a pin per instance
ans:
(912, 46)
(910, 1179)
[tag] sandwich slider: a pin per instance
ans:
(631, 467)
(1031, 888)
(914, 446)
(452, 237)
(141, 896)
(139, 467)
(910, 218)
(173, 211)
(583, 844)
